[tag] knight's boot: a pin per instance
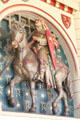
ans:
(40, 78)
(37, 78)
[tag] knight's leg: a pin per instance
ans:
(42, 72)
(65, 104)
(40, 75)
(16, 80)
(33, 94)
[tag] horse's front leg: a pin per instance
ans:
(33, 93)
(13, 82)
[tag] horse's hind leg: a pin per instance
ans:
(57, 100)
(62, 95)
(15, 80)
(60, 90)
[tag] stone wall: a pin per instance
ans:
(77, 82)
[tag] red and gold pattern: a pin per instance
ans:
(59, 5)
(66, 20)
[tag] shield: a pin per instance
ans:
(5, 1)
(51, 48)
(66, 21)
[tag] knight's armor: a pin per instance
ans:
(41, 46)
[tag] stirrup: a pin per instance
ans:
(37, 77)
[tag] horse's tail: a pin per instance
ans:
(67, 85)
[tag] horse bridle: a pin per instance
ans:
(29, 44)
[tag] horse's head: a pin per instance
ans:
(18, 33)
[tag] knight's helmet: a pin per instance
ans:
(41, 22)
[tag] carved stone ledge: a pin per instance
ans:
(22, 116)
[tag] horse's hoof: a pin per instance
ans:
(54, 108)
(12, 102)
(67, 112)
(33, 110)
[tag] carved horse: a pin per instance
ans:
(26, 65)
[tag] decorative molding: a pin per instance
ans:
(54, 3)
(4, 1)
(61, 6)
(22, 116)
(25, 0)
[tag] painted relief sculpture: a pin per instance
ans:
(31, 63)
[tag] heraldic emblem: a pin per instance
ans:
(66, 20)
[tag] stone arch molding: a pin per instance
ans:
(51, 17)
